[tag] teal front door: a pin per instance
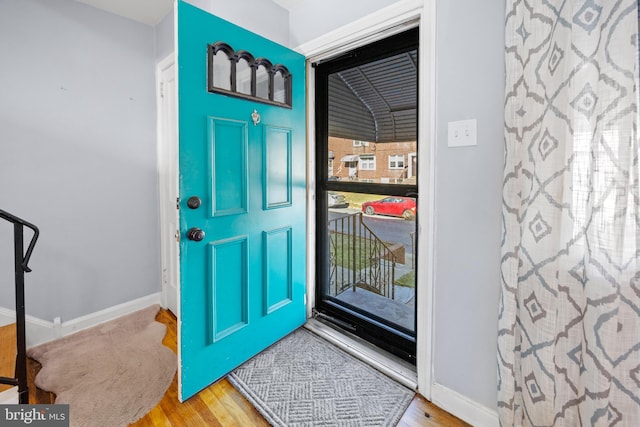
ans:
(242, 195)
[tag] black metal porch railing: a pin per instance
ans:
(21, 267)
(358, 258)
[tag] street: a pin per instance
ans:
(387, 228)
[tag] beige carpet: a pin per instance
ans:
(111, 374)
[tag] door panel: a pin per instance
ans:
(243, 285)
(279, 257)
(277, 167)
(228, 166)
(229, 286)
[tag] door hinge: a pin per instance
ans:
(178, 236)
(177, 203)
(161, 89)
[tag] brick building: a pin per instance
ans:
(389, 162)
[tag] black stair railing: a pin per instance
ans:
(21, 267)
(359, 258)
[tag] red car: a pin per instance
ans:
(395, 206)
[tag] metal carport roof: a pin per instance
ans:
(377, 101)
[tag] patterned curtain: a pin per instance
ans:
(569, 328)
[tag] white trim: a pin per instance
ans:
(425, 280)
(9, 397)
(178, 314)
(391, 20)
(395, 160)
(410, 172)
(367, 162)
(463, 407)
(390, 365)
(7, 317)
(110, 313)
(167, 156)
(311, 190)
(39, 331)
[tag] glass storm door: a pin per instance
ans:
(242, 195)
(366, 129)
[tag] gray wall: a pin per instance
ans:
(164, 32)
(78, 155)
(312, 19)
(470, 84)
(259, 16)
(265, 18)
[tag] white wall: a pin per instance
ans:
(78, 156)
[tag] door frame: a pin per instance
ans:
(410, 172)
(376, 329)
(391, 20)
(167, 170)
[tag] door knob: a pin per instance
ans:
(194, 202)
(195, 234)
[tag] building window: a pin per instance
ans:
(357, 143)
(330, 167)
(396, 161)
(367, 163)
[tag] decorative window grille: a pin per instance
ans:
(239, 74)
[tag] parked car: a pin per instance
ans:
(394, 206)
(337, 200)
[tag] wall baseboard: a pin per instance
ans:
(40, 331)
(462, 407)
(9, 397)
(7, 316)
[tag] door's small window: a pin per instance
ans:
(238, 73)
(280, 86)
(220, 71)
(262, 82)
(244, 76)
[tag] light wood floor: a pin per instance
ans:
(218, 405)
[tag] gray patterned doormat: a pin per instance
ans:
(303, 380)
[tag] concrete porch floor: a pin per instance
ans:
(400, 310)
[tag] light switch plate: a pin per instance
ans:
(463, 133)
